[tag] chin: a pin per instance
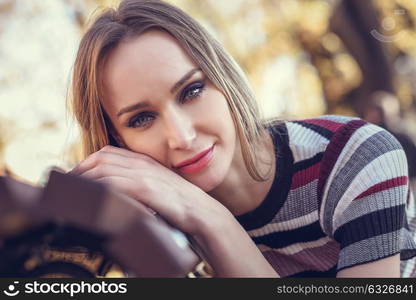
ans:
(207, 187)
(207, 182)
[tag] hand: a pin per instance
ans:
(180, 202)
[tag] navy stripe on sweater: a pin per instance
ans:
(306, 163)
(318, 129)
(370, 225)
(283, 239)
(312, 274)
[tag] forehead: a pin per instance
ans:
(151, 46)
(154, 57)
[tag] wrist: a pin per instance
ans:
(208, 221)
(217, 240)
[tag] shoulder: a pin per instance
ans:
(362, 184)
(347, 146)
(309, 137)
(362, 163)
(324, 125)
(355, 157)
(339, 138)
(357, 147)
(362, 193)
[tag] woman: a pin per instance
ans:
(168, 118)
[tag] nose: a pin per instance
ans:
(179, 128)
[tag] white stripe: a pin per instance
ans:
(349, 149)
(285, 226)
(338, 119)
(298, 247)
(304, 142)
(392, 163)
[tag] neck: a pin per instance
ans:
(239, 192)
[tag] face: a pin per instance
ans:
(162, 105)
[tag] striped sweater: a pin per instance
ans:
(339, 199)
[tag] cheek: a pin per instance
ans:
(224, 120)
(216, 111)
(147, 144)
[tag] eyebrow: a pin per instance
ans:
(184, 79)
(176, 86)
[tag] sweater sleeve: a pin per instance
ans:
(363, 189)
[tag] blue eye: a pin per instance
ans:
(140, 120)
(144, 119)
(192, 91)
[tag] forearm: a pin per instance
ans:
(231, 252)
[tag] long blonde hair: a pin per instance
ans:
(130, 19)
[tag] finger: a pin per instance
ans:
(124, 152)
(131, 154)
(101, 157)
(118, 150)
(104, 170)
(128, 187)
(123, 186)
(169, 210)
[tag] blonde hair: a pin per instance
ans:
(130, 19)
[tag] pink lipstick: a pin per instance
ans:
(197, 163)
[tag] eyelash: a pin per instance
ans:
(146, 117)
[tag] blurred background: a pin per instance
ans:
(304, 58)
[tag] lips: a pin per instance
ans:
(196, 163)
(193, 159)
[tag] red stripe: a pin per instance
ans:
(327, 124)
(385, 185)
(305, 176)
